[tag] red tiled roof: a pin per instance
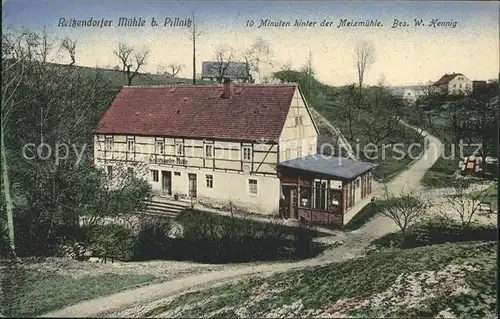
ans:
(254, 112)
(445, 79)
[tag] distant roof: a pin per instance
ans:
(254, 112)
(445, 79)
(235, 70)
(333, 166)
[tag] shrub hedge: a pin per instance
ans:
(206, 238)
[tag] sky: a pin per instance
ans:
(404, 55)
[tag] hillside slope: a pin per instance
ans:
(450, 280)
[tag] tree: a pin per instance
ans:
(223, 56)
(460, 202)
(194, 33)
(123, 53)
(127, 56)
(175, 68)
(365, 57)
(381, 116)
(257, 54)
(308, 70)
(13, 71)
(404, 209)
(49, 105)
(70, 46)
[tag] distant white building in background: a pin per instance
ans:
(410, 93)
(455, 83)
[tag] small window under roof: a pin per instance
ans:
(172, 90)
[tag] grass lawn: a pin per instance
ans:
(363, 216)
(490, 196)
(389, 160)
(441, 174)
(353, 281)
(29, 292)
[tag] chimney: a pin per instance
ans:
(228, 89)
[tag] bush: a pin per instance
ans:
(153, 241)
(37, 235)
(437, 231)
(113, 241)
(215, 238)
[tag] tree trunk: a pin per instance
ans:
(6, 189)
(194, 53)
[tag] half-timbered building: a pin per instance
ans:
(238, 143)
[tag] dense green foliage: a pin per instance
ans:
(48, 113)
(218, 239)
(205, 237)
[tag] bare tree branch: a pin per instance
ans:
(404, 209)
(365, 57)
(123, 53)
(175, 69)
(224, 57)
(70, 46)
(257, 54)
(461, 203)
(132, 62)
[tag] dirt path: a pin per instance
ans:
(130, 303)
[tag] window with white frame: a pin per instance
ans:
(210, 181)
(160, 147)
(247, 153)
(155, 175)
(109, 144)
(320, 191)
(252, 186)
(209, 150)
(130, 145)
(179, 149)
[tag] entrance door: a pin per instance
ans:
(166, 184)
(293, 212)
(192, 185)
(290, 202)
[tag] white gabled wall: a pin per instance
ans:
(300, 138)
(460, 84)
